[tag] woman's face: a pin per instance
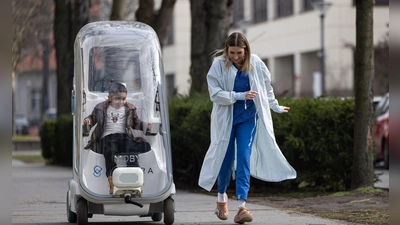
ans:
(236, 54)
(118, 100)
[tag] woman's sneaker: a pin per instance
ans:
(222, 211)
(243, 215)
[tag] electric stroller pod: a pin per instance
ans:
(139, 183)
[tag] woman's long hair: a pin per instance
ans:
(236, 39)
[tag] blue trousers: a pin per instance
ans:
(243, 133)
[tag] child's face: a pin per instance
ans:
(118, 100)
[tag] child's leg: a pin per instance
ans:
(137, 146)
(110, 147)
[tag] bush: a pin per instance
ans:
(190, 135)
(56, 140)
(63, 143)
(316, 138)
(47, 139)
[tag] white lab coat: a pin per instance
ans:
(266, 161)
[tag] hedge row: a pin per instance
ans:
(316, 137)
(56, 140)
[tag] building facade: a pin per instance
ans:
(286, 34)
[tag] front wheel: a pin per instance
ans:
(82, 212)
(169, 210)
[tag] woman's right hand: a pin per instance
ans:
(250, 95)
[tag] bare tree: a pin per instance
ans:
(363, 168)
(210, 26)
(31, 37)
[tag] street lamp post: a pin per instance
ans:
(321, 6)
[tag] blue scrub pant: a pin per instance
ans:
(244, 134)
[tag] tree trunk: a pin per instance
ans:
(363, 168)
(67, 24)
(210, 25)
(158, 21)
(64, 54)
(118, 10)
(163, 20)
(145, 12)
(45, 83)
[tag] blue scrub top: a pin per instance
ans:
(240, 112)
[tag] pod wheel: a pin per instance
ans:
(82, 212)
(385, 157)
(156, 217)
(169, 210)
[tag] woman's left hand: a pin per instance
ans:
(286, 109)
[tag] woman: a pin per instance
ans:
(240, 88)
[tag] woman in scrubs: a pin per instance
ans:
(242, 137)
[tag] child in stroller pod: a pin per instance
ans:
(113, 134)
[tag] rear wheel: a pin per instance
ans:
(169, 210)
(82, 212)
(156, 217)
(385, 156)
(71, 216)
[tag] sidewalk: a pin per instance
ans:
(198, 209)
(48, 206)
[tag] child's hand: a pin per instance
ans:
(87, 120)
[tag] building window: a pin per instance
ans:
(238, 13)
(259, 11)
(284, 8)
(381, 2)
(35, 101)
(377, 2)
(170, 84)
(307, 5)
(265, 62)
(170, 33)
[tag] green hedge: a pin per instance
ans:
(190, 136)
(316, 137)
(47, 139)
(56, 140)
(63, 143)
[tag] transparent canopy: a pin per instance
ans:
(127, 53)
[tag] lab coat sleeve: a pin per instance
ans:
(218, 91)
(273, 103)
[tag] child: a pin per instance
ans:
(113, 134)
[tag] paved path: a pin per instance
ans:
(383, 176)
(39, 197)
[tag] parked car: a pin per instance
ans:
(50, 114)
(21, 124)
(376, 101)
(381, 131)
